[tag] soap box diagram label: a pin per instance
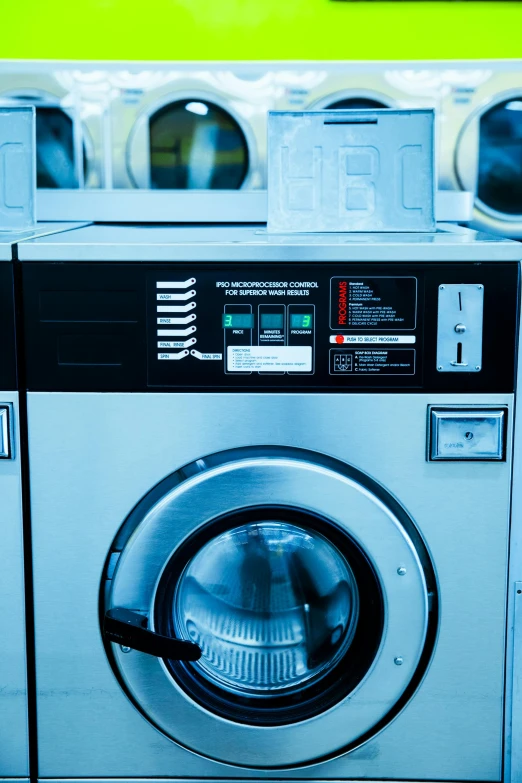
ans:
(384, 303)
(282, 358)
(373, 361)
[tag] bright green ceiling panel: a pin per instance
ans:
(258, 29)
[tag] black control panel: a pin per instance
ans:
(7, 329)
(308, 327)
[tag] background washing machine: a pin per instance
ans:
(69, 120)
(481, 150)
(190, 127)
(270, 517)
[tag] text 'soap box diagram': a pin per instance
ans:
(351, 170)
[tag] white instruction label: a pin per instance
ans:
(261, 358)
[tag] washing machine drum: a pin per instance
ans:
(269, 609)
(196, 144)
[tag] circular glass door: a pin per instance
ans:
(196, 144)
(488, 163)
(286, 610)
(268, 634)
(499, 183)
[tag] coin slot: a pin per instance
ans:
(459, 352)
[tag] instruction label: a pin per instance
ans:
(283, 358)
(386, 303)
(373, 361)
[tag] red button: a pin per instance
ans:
(339, 339)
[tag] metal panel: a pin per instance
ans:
(9, 239)
(100, 468)
(356, 170)
(17, 168)
(14, 761)
(459, 327)
(253, 243)
(225, 206)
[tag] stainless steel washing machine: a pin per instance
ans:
(270, 498)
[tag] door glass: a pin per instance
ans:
(54, 149)
(357, 103)
(272, 605)
(500, 157)
(196, 144)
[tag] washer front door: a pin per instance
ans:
(297, 593)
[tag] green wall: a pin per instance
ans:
(258, 29)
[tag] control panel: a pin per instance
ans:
(332, 326)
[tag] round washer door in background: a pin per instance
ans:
(489, 163)
(58, 163)
(303, 591)
(353, 99)
(189, 143)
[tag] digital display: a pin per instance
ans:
(301, 321)
(238, 321)
(271, 320)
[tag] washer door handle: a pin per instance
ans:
(129, 629)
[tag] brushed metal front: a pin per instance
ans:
(94, 456)
(14, 753)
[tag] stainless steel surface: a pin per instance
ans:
(359, 170)
(252, 243)
(225, 206)
(515, 766)
(17, 168)
(513, 707)
(292, 482)
(14, 754)
(459, 327)
(9, 239)
(467, 434)
(452, 725)
(6, 448)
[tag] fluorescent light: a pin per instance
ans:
(514, 105)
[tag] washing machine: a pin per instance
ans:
(270, 485)
(481, 125)
(190, 126)
(71, 130)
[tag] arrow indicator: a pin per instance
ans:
(173, 344)
(172, 356)
(174, 298)
(216, 357)
(176, 332)
(178, 284)
(185, 320)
